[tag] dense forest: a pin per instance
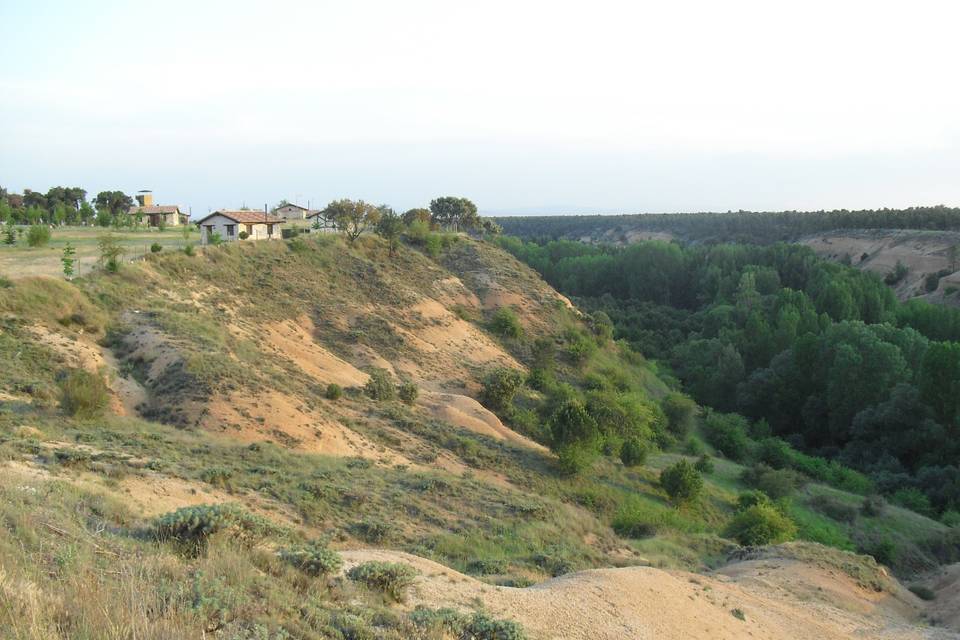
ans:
(762, 227)
(815, 354)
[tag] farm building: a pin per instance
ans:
(155, 215)
(293, 212)
(239, 225)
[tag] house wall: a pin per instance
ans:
(290, 212)
(220, 224)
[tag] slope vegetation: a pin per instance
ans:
(266, 376)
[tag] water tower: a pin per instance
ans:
(145, 197)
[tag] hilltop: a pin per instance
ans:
(266, 375)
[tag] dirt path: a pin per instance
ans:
(760, 601)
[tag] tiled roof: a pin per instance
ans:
(246, 217)
(164, 208)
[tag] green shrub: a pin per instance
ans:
(408, 392)
(313, 559)
(188, 250)
(634, 452)
(487, 566)
(476, 626)
(774, 452)
(575, 458)
(631, 523)
(883, 550)
(506, 324)
(704, 464)
(872, 506)
(380, 385)
(218, 476)
(243, 235)
(499, 388)
(390, 578)
(681, 414)
(833, 508)
(727, 433)
(951, 518)
(922, 592)
(682, 482)
(481, 626)
(571, 423)
(156, 248)
(759, 525)
(333, 392)
(776, 483)
(192, 526)
(83, 394)
(913, 499)
(38, 235)
(373, 531)
(579, 348)
(749, 499)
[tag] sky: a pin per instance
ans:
(526, 107)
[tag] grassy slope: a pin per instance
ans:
(502, 511)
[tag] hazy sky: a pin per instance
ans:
(522, 106)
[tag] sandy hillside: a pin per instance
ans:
(778, 598)
(879, 250)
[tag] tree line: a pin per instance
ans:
(821, 354)
(64, 206)
(762, 227)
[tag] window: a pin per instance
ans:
(230, 230)
(269, 229)
(249, 229)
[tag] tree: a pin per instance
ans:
(10, 236)
(112, 204)
(352, 218)
(110, 253)
(34, 199)
(38, 235)
(455, 213)
(417, 215)
(682, 482)
(572, 424)
(940, 380)
(499, 387)
(389, 227)
(68, 260)
(634, 452)
(681, 414)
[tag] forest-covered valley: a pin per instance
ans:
(788, 350)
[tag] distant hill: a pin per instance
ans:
(740, 226)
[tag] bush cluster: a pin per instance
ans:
(506, 324)
(83, 394)
(380, 385)
(192, 526)
(313, 559)
(475, 626)
(760, 524)
(390, 578)
(682, 482)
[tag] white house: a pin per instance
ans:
(254, 225)
(293, 212)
